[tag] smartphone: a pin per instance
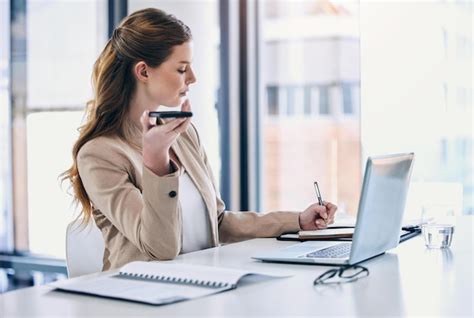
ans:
(171, 114)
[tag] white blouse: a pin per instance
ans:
(196, 224)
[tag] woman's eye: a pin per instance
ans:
(182, 71)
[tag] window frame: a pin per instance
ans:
(7, 239)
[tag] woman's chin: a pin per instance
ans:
(174, 103)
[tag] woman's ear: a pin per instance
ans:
(141, 71)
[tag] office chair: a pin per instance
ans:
(84, 248)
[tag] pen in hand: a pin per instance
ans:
(320, 199)
(318, 193)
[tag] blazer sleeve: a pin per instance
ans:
(150, 220)
(239, 226)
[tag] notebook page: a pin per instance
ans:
(146, 282)
(151, 292)
(327, 233)
(199, 274)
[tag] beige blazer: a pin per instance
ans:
(139, 213)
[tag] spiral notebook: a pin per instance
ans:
(159, 283)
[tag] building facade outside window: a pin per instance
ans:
(310, 50)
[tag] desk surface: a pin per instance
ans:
(407, 281)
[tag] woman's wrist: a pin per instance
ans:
(160, 167)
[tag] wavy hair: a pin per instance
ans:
(147, 35)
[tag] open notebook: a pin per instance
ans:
(342, 233)
(158, 283)
(331, 233)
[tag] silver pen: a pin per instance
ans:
(318, 193)
(320, 199)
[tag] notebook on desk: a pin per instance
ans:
(158, 283)
(341, 234)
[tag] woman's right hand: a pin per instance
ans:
(157, 140)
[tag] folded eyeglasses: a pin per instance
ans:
(341, 275)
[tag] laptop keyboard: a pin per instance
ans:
(342, 250)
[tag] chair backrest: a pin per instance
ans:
(84, 248)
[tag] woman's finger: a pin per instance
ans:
(332, 208)
(320, 225)
(317, 208)
(324, 215)
(332, 211)
(172, 124)
(328, 204)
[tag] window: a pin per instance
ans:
(314, 98)
(57, 58)
(415, 100)
(49, 154)
(307, 101)
(291, 102)
(298, 100)
(324, 100)
(308, 48)
(443, 151)
(347, 99)
(272, 100)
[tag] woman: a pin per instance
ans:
(148, 187)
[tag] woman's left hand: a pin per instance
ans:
(317, 217)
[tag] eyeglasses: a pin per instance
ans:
(341, 275)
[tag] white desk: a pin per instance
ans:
(407, 281)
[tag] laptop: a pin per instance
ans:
(379, 218)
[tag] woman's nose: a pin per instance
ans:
(191, 76)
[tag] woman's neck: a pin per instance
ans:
(133, 128)
(138, 104)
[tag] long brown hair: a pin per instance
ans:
(147, 35)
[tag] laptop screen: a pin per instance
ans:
(381, 205)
